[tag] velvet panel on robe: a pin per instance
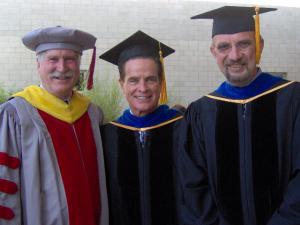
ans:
(141, 177)
(240, 159)
(75, 151)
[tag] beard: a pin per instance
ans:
(237, 73)
(62, 76)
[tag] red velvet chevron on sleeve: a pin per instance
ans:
(6, 213)
(11, 162)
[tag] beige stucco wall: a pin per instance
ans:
(191, 70)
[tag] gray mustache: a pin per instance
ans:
(59, 75)
(231, 63)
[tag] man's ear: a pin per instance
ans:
(262, 42)
(121, 82)
(38, 64)
(213, 50)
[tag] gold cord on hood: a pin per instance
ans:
(257, 36)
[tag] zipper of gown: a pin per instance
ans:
(244, 111)
(243, 146)
(246, 165)
(80, 151)
(144, 200)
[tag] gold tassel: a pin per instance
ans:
(163, 93)
(257, 36)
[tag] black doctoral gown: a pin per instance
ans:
(240, 159)
(141, 179)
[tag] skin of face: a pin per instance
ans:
(141, 85)
(235, 56)
(59, 71)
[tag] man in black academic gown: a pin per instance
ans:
(240, 145)
(138, 146)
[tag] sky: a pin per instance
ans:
(286, 3)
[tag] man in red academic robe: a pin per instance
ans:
(51, 160)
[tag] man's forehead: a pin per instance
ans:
(141, 64)
(219, 38)
(141, 76)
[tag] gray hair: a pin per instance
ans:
(41, 56)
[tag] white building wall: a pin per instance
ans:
(191, 71)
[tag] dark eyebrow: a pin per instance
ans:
(133, 78)
(223, 45)
(246, 41)
(52, 57)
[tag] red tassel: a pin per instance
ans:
(11, 162)
(8, 187)
(90, 81)
(6, 213)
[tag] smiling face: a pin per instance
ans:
(235, 56)
(141, 85)
(59, 70)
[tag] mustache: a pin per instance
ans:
(59, 75)
(234, 62)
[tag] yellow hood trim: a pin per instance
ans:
(43, 100)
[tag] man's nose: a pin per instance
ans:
(234, 54)
(142, 86)
(61, 66)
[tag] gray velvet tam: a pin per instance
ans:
(58, 38)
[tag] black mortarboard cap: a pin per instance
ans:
(140, 45)
(232, 19)
(137, 45)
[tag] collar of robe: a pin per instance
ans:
(56, 107)
(161, 114)
(262, 83)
